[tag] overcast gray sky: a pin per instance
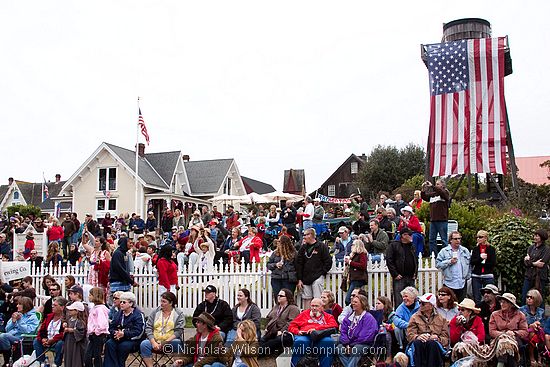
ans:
(275, 85)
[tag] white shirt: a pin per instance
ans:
(310, 209)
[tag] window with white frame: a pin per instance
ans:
(107, 179)
(16, 195)
(106, 205)
(354, 167)
(331, 190)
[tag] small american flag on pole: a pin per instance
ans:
(467, 108)
(141, 124)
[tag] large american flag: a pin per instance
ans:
(467, 118)
(141, 124)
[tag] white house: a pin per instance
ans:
(105, 182)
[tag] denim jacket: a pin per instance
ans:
(443, 263)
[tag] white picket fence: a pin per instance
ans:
(254, 277)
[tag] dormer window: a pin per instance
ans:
(16, 195)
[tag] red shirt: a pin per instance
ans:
(168, 273)
(476, 327)
(302, 323)
(55, 233)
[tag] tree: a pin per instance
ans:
(24, 210)
(547, 165)
(387, 168)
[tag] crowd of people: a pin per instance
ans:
(107, 325)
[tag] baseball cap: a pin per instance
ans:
(428, 298)
(79, 306)
(77, 289)
(342, 229)
(210, 289)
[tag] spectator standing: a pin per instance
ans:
(151, 222)
(29, 245)
(309, 212)
(205, 215)
(107, 224)
(377, 240)
(98, 328)
(282, 264)
(483, 261)
(167, 271)
(416, 202)
(439, 199)
(55, 232)
(138, 225)
(216, 214)
(454, 262)
(318, 212)
(399, 203)
(536, 264)
(342, 245)
(361, 225)
(402, 263)
(166, 221)
(357, 265)
(312, 264)
(179, 221)
(288, 219)
(119, 273)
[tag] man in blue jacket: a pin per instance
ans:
(119, 273)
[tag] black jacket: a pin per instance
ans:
(312, 262)
(220, 310)
(395, 258)
(290, 216)
(489, 266)
(119, 268)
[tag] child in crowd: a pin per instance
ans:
(98, 328)
(74, 341)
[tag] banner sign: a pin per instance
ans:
(12, 270)
(326, 199)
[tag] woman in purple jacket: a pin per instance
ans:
(357, 332)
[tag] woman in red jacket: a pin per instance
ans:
(466, 324)
(409, 220)
(250, 246)
(55, 233)
(167, 271)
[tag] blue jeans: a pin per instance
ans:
(116, 352)
(477, 284)
(352, 285)
(324, 349)
(352, 359)
(57, 347)
(146, 349)
(6, 341)
(278, 284)
(441, 228)
(307, 225)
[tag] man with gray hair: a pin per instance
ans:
(404, 312)
(439, 198)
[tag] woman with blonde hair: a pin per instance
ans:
(245, 349)
(482, 261)
(416, 202)
(329, 304)
(178, 219)
(53, 258)
(356, 264)
(283, 267)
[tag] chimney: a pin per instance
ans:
(57, 178)
(186, 158)
(10, 180)
(141, 150)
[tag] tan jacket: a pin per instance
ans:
(434, 324)
(501, 322)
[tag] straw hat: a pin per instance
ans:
(469, 305)
(510, 298)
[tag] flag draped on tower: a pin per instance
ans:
(467, 108)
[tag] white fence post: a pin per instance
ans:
(232, 277)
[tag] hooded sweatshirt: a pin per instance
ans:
(119, 271)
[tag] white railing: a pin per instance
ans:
(254, 277)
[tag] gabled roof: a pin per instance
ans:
(3, 191)
(164, 163)
(352, 157)
(32, 193)
(258, 187)
(206, 177)
(146, 172)
(294, 181)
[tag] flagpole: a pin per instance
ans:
(137, 170)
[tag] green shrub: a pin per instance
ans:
(24, 210)
(511, 237)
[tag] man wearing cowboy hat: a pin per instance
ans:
(428, 332)
(206, 346)
(467, 320)
(488, 305)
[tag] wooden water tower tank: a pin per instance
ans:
(466, 28)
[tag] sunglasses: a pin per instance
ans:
(457, 238)
(116, 297)
(480, 236)
(529, 297)
(443, 294)
(123, 301)
(281, 295)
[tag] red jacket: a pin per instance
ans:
(43, 330)
(168, 273)
(476, 326)
(55, 233)
(301, 323)
(29, 246)
(414, 224)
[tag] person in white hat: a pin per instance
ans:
(342, 245)
(409, 220)
(428, 332)
(511, 321)
(467, 323)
